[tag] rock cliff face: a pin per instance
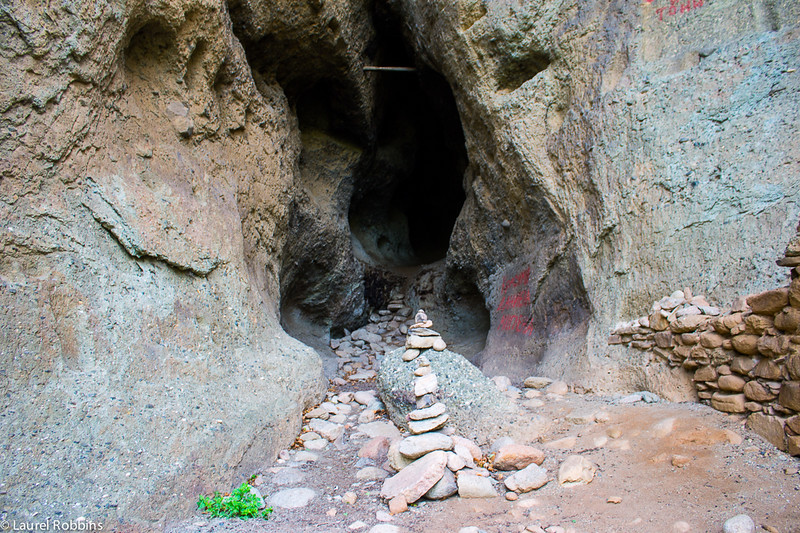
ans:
(146, 181)
(181, 181)
(613, 147)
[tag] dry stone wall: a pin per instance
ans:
(743, 360)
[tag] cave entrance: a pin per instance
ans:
(406, 203)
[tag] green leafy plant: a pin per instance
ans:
(241, 503)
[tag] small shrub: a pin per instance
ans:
(241, 503)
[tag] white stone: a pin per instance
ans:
(345, 397)
(417, 427)
(580, 417)
(464, 453)
(288, 476)
(455, 462)
(688, 310)
(355, 526)
(367, 415)
(739, 524)
(417, 478)
(426, 385)
(315, 444)
(576, 470)
(472, 486)
(318, 412)
(529, 478)
(379, 428)
(557, 387)
(502, 382)
(364, 335)
(410, 354)
(430, 412)
(536, 382)
(397, 460)
(329, 430)
(439, 345)
(419, 445)
(344, 409)
(292, 498)
(365, 397)
(534, 403)
(419, 343)
(473, 448)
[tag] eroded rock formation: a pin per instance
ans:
(182, 180)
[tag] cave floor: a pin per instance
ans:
(661, 467)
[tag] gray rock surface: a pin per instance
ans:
(444, 488)
(477, 409)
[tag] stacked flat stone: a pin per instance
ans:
(791, 257)
(422, 337)
(745, 360)
(428, 459)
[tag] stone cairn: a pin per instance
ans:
(422, 458)
(742, 360)
(435, 463)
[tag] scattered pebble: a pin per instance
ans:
(681, 527)
(576, 470)
(739, 524)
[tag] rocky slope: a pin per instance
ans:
(182, 180)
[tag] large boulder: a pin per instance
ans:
(477, 408)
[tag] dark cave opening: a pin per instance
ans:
(406, 203)
(380, 173)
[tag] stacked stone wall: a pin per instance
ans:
(745, 359)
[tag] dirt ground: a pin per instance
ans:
(728, 471)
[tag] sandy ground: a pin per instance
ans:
(728, 471)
